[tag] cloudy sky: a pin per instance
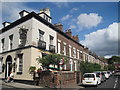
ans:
(96, 23)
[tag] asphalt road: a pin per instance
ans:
(112, 82)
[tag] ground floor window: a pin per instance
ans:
(20, 64)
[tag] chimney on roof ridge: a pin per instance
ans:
(59, 26)
(69, 33)
(46, 11)
(76, 38)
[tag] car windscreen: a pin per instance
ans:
(98, 73)
(89, 76)
(108, 72)
(102, 73)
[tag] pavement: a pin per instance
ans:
(27, 86)
(19, 85)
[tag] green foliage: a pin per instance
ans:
(105, 68)
(114, 59)
(111, 67)
(87, 67)
(32, 69)
(51, 59)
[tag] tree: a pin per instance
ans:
(51, 59)
(87, 67)
(32, 69)
(113, 59)
(111, 67)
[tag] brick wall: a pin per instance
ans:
(58, 79)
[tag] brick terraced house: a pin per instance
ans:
(33, 35)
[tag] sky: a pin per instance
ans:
(96, 23)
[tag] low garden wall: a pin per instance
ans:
(59, 79)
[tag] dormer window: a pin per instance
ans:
(5, 24)
(45, 13)
(23, 13)
(44, 16)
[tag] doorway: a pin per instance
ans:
(8, 66)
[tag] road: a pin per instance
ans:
(112, 83)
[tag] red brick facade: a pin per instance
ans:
(77, 53)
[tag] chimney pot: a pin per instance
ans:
(59, 26)
(69, 33)
(76, 38)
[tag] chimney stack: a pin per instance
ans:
(69, 33)
(59, 26)
(86, 49)
(76, 38)
(46, 11)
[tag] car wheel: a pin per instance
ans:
(96, 84)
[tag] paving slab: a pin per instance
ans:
(20, 85)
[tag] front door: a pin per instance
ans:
(8, 66)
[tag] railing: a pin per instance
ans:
(51, 48)
(42, 44)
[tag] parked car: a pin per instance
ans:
(117, 73)
(91, 79)
(113, 72)
(106, 74)
(109, 72)
(101, 75)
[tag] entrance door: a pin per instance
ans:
(8, 66)
(9, 63)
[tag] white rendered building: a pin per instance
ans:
(23, 41)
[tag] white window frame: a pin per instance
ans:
(59, 47)
(41, 35)
(75, 65)
(78, 54)
(74, 52)
(70, 51)
(64, 47)
(11, 42)
(51, 38)
(19, 64)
